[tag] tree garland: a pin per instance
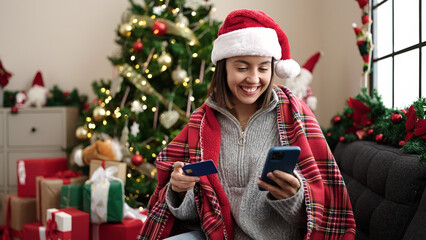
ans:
(366, 118)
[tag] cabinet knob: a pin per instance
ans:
(33, 129)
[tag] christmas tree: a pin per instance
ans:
(163, 74)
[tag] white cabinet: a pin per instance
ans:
(33, 133)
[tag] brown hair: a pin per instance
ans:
(220, 93)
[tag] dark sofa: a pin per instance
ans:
(386, 188)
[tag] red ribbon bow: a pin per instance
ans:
(414, 126)
(51, 228)
(67, 174)
(360, 112)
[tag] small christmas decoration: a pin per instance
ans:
(125, 29)
(361, 112)
(337, 119)
(179, 75)
(379, 138)
(20, 98)
(401, 143)
(137, 46)
(370, 131)
(37, 95)
(137, 159)
(159, 28)
(165, 59)
(136, 107)
(396, 118)
(81, 133)
(169, 118)
(134, 129)
(98, 113)
(342, 139)
(300, 85)
(181, 20)
(4, 80)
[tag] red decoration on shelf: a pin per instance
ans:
(159, 28)
(137, 46)
(396, 118)
(361, 112)
(4, 76)
(379, 138)
(414, 126)
(337, 119)
(370, 131)
(341, 139)
(137, 159)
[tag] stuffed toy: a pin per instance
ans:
(300, 85)
(37, 94)
(102, 148)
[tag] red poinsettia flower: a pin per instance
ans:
(414, 126)
(361, 112)
(4, 76)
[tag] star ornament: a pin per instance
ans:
(4, 76)
(134, 129)
(136, 107)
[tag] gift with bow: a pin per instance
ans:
(49, 190)
(103, 196)
(19, 211)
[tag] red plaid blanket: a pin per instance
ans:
(328, 207)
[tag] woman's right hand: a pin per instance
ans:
(179, 181)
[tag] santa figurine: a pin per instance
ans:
(37, 95)
(300, 85)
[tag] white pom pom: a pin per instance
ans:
(78, 157)
(287, 68)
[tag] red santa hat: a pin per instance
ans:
(253, 33)
(38, 80)
(312, 61)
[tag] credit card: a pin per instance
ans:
(200, 168)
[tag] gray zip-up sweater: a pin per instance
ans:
(242, 156)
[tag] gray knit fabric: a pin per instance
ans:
(255, 214)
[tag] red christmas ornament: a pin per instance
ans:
(137, 46)
(329, 134)
(401, 143)
(370, 131)
(337, 119)
(396, 118)
(379, 138)
(137, 159)
(348, 115)
(341, 139)
(159, 28)
(404, 111)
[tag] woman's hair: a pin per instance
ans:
(220, 93)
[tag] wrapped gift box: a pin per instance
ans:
(121, 168)
(72, 196)
(128, 229)
(103, 196)
(29, 169)
(70, 220)
(49, 192)
(70, 223)
(22, 211)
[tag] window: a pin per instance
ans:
(399, 54)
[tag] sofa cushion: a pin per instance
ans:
(385, 186)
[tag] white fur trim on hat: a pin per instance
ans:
(255, 41)
(287, 68)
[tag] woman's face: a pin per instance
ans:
(248, 77)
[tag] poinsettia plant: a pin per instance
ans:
(366, 118)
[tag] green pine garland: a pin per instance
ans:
(387, 126)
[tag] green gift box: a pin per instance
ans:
(104, 205)
(72, 196)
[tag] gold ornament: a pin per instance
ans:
(98, 113)
(179, 74)
(125, 29)
(81, 133)
(165, 59)
(169, 118)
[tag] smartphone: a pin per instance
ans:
(200, 168)
(280, 158)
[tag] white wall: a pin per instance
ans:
(69, 41)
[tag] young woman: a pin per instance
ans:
(244, 116)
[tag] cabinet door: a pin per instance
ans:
(2, 127)
(13, 157)
(36, 129)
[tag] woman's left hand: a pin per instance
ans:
(288, 184)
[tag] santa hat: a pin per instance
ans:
(253, 33)
(38, 80)
(312, 61)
